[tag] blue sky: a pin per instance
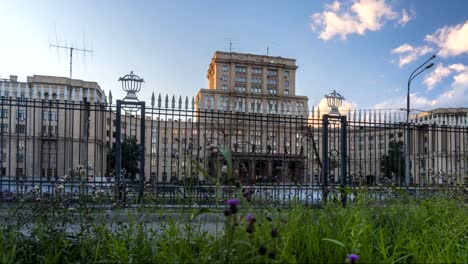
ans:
(364, 49)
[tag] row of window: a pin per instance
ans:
(241, 69)
(21, 115)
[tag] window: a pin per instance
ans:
(286, 73)
(286, 83)
(272, 72)
(240, 89)
(20, 128)
(20, 144)
(49, 116)
(240, 69)
(271, 91)
(256, 90)
(22, 100)
(224, 78)
(3, 113)
(225, 68)
(256, 71)
(224, 87)
(21, 115)
(271, 81)
(19, 157)
(256, 80)
(286, 92)
(240, 79)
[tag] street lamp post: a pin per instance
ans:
(407, 143)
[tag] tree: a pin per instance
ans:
(392, 164)
(130, 157)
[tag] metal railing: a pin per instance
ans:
(66, 146)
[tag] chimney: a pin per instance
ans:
(13, 78)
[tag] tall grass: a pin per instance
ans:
(405, 231)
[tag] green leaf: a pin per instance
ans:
(334, 241)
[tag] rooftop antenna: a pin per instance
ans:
(230, 41)
(71, 49)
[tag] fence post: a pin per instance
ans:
(344, 158)
(325, 158)
(142, 152)
(118, 148)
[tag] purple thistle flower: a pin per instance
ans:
(232, 202)
(233, 205)
(353, 258)
(251, 218)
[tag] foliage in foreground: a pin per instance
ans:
(423, 231)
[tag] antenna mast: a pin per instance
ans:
(71, 48)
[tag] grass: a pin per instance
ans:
(401, 231)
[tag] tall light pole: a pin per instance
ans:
(407, 143)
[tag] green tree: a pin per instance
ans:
(130, 157)
(392, 164)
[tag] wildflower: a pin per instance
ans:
(100, 193)
(353, 258)
(262, 250)
(274, 233)
(251, 219)
(233, 203)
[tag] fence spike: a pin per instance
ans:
(2, 90)
(312, 112)
(103, 97)
(110, 97)
(65, 93)
(42, 92)
(375, 115)
(80, 95)
(152, 100)
(57, 91)
(318, 111)
(18, 90)
(349, 113)
(73, 94)
(193, 102)
(34, 92)
(95, 96)
(186, 102)
(173, 102)
(50, 93)
(88, 95)
(159, 100)
(10, 92)
(166, 101)
(180, 102)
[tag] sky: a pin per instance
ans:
(364, 49)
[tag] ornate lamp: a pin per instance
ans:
(334, 101)
(131, 84)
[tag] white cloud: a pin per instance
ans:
(408, 53)
(441, 72)
(452, 40)
(405, 17)
(360, 17)
(456, 95)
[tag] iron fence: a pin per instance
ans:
(172, 153)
